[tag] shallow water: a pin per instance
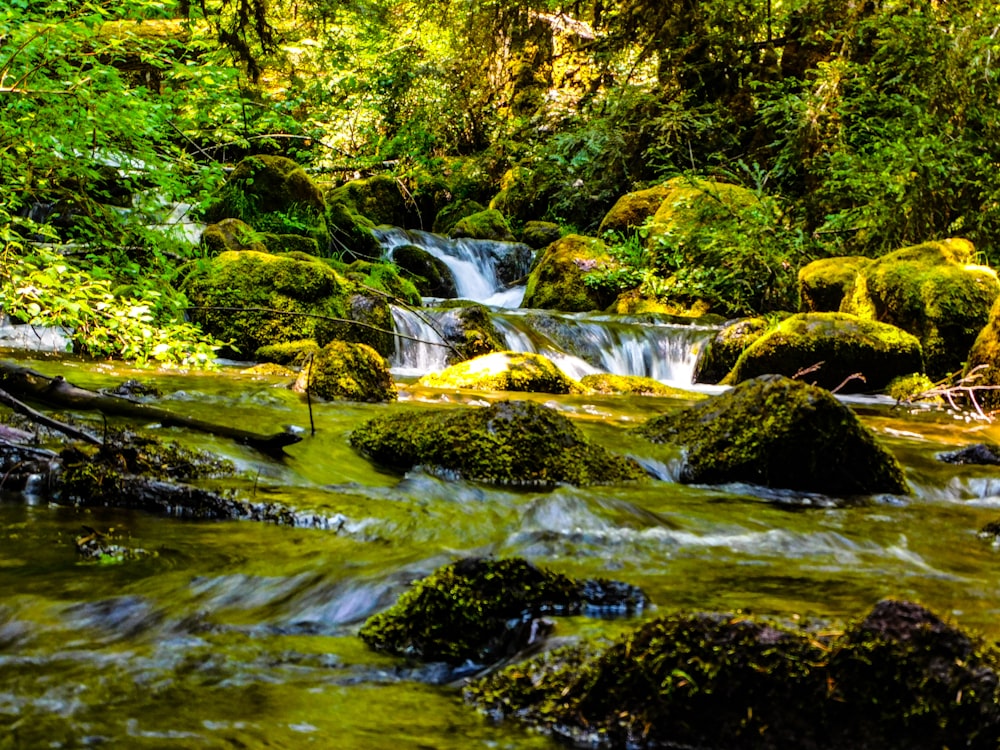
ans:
(242, 634)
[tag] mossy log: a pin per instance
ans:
(24, 383)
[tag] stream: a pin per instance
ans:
(243, 634)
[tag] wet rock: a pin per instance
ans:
(470, 333)
(511, 442)
(430, 274)
(782, 433)
(982, 454)
(557, 280)
(350, 372)
(717, 358)
(483, 610)
(504, 371)
(901, 679)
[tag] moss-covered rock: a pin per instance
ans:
(429, 274)
(504, 371)
(983, 364)
(384, 278)
(291, 243)
(351, 235)
(482, 610)
(634, 385)
(539, 234)
(451, 213)
(379, 199)
(718, 356)
(557, 280)
(688, 201)
(734, 682)
(347, 372)
(511, 442)
(634, 302)
(824, 284)
(911, 387)
(470, 333)
(934, 291)
(231, 234)
(272, 194)
(632, 210)
(263, 299)
(294, 353)
(485, 225)
(782, 433)
(525, 192)
(842, 345)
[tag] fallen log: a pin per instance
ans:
(23, 383)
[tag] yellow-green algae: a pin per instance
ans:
(504, 371)
(782, 433)
(349, 372)
(635, 385)
(842, 345)
(483, 609)
(900, 679)
(510, 442)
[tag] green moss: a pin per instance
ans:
(484, 609)
(470, 332)
(782, 433)
(451, 213)
(511, 442)
(632, 210)
(557, 280)
(934, 292)
(291, 243)
(288, 353)
(910, 387)
(690, 201)
(629, 384)
(378, 199)
(504, 371)
(272, 194)
(231, 234)
(429, 274)
(385, 278)
(719, 355)
(348, 372)
(539, 234)
(485, 225)
(732, 682)
(825, 284)
(842, 345)
(351, 235)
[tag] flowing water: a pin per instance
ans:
(243, 635)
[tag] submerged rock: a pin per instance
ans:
(350, 372)
(483, 610)
(504, 371)
(429, 274)
(780, 433)
(629, 384)
(470, 333)
(981, 454)
(511, 442)
(831, 348)
(901, 679)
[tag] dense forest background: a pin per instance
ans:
(863, 126)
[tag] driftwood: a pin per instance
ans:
(21, 383)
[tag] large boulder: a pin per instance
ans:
(901, 679)
(557, 281)
(504, 371)
(429, 274)
(379, 199)
(511, 442)
(841, 345)
(717, 358)
(482, 610)
(484, 225)
(469, 332)
(687, 202)
(347, 372)
(824, 284)
(780, 433)
(632, 210)
(452, 212)
(253, 299)
(351, 235)
(272, 194)
(934, 291)
(539, 234)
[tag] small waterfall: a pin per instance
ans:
(419, 346)
(483, 269)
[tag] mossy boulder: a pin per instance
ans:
(429, 274)
(719, 355)
(231, 234)
(347, 372)
(379, 199)
(539, 234)
(525, 192)
(634, 302)
(557, 280)
(485, 225)
(781, 433)
(266, 299)
(983, 364)
(451, 213)
(294, 353)
(934, 291)
(688, 202)
(504, 371)
(735, 682)
(841, 345)
(351, 235)
(470, 333)
(385, 278)
(482, 610)
(824, 284)
(291, 243)
(510, 443)
(272, 194)
(633, 385)
(632, 210)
